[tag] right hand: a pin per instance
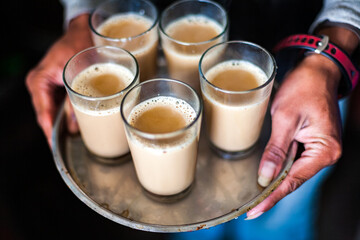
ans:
(45, 80)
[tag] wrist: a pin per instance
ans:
(346, 39)
(324, 67)
(304, 45)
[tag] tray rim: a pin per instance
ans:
(79, 193)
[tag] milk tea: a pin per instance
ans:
(196, 33)
(132, 32)
(99, 120)
(235, 126)
(165, 166)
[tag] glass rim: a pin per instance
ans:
(222, 33)
(266, 83)
(157, 136)
(85, 97)
(124, 39)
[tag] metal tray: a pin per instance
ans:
(223, 189)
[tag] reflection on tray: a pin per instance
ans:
(223, 189)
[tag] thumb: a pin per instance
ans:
(282, 135)
(285, 125)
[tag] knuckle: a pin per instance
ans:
(275, 153)
(331, 150)
(293, 183)
(29, 78)
(32, 77)
(281, 113)
(336, 152)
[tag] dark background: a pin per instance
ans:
(35, 203)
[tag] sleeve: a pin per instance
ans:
(344, 13)
(74, 8)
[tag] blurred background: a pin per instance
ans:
(35, 203)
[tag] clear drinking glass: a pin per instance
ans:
(236, 82)
(187, 29)
(96, 80)
(129, 24)
(164, 153)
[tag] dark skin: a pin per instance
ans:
(305, 108)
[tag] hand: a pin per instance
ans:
(45, 83)
(304, 110)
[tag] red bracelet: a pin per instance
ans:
(321, 45)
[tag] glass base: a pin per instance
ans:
(110, 160)
(169, 198)
(233, 155)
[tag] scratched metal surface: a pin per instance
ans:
(223, 189)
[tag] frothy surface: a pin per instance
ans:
(193, 29)
(100, 80)
(135, 33)
(236, 75)
(124, 26)
(162, 115)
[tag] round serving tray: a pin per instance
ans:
(223, 189)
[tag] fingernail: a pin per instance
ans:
(266, 174)
(253, 215)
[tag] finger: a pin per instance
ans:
(41, 88)
(319, 152)
(72, 124)
(290, 183)
(302, 170)
(284, 127)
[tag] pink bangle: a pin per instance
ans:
(321, 45)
